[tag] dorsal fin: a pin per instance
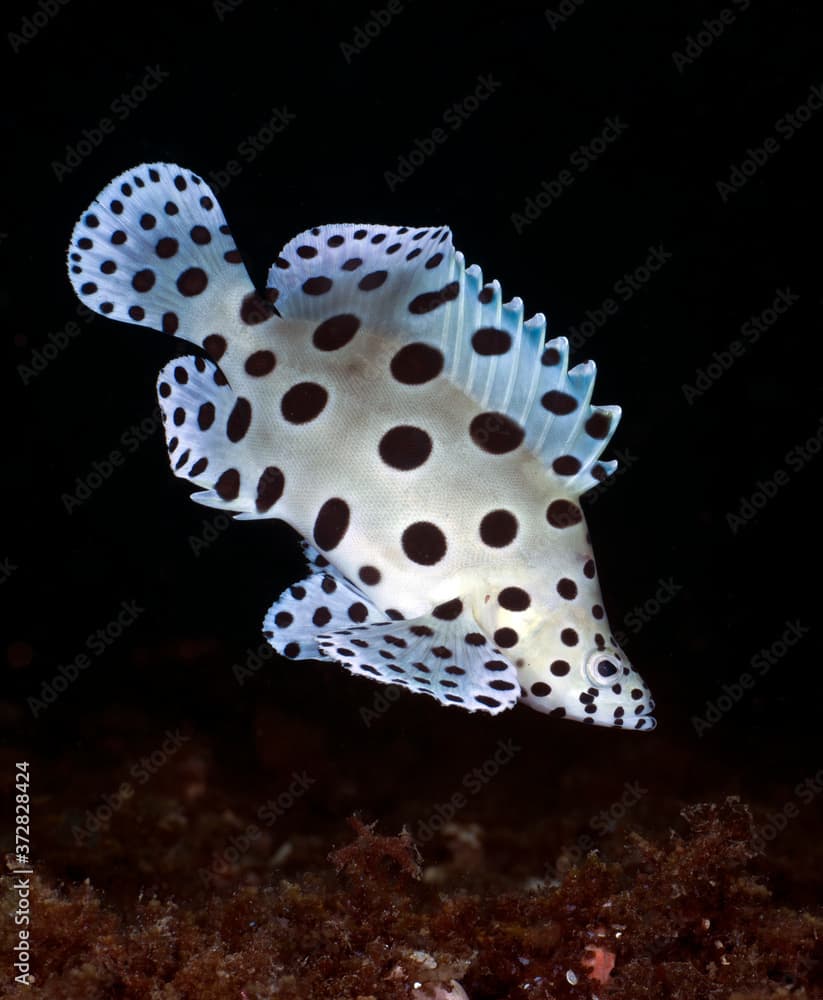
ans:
(414, 285)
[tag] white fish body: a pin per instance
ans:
(384, 401)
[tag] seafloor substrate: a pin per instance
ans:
(685, 915)
(274, 845)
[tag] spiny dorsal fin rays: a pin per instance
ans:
(154, 249)
(415, 286)
(461, 359)
(564, 430)
(525, 389)
(592, 438)
(565, 427)
(505, 371)
(442, 654)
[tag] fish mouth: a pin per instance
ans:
(645, 721)
(641, 722)
(627, 721)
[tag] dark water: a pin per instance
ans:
(647, 177)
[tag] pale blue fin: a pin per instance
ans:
(202, 417)
(154, 249)
(442, 654)
(413, 284)
(324, 595)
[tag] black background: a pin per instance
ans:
(355, 115)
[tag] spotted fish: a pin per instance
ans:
(426, 441)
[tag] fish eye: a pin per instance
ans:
(601, 668)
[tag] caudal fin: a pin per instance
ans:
(154, 249)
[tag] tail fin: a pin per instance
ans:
(154, 249)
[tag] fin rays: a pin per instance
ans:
(442, 654)
(154, 249)
(416, 286)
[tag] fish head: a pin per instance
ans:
(577, 666)
(568, 660)
(593, 682)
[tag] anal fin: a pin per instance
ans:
(442, 654)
